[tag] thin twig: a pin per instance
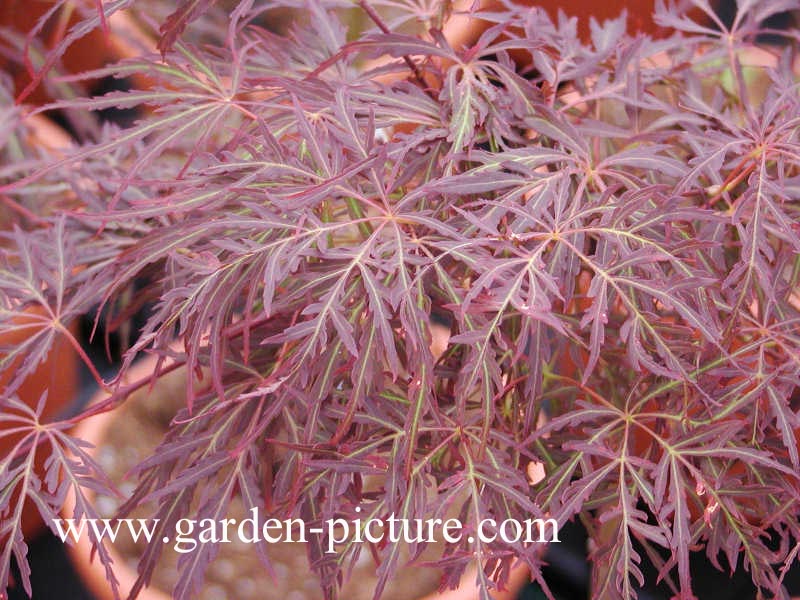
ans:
(28, 214)
(376, 18)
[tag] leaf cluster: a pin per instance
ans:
(609, 229)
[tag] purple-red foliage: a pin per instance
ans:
(612, 230)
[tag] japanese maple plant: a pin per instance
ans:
(609, 229)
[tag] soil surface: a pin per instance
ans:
(237, 571)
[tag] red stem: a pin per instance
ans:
(376, 18)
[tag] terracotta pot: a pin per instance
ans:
(640, 14)
(21, 17)
(58, 374)
(469, 591)
(86, 564)
(94, 430)
(92, 51)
